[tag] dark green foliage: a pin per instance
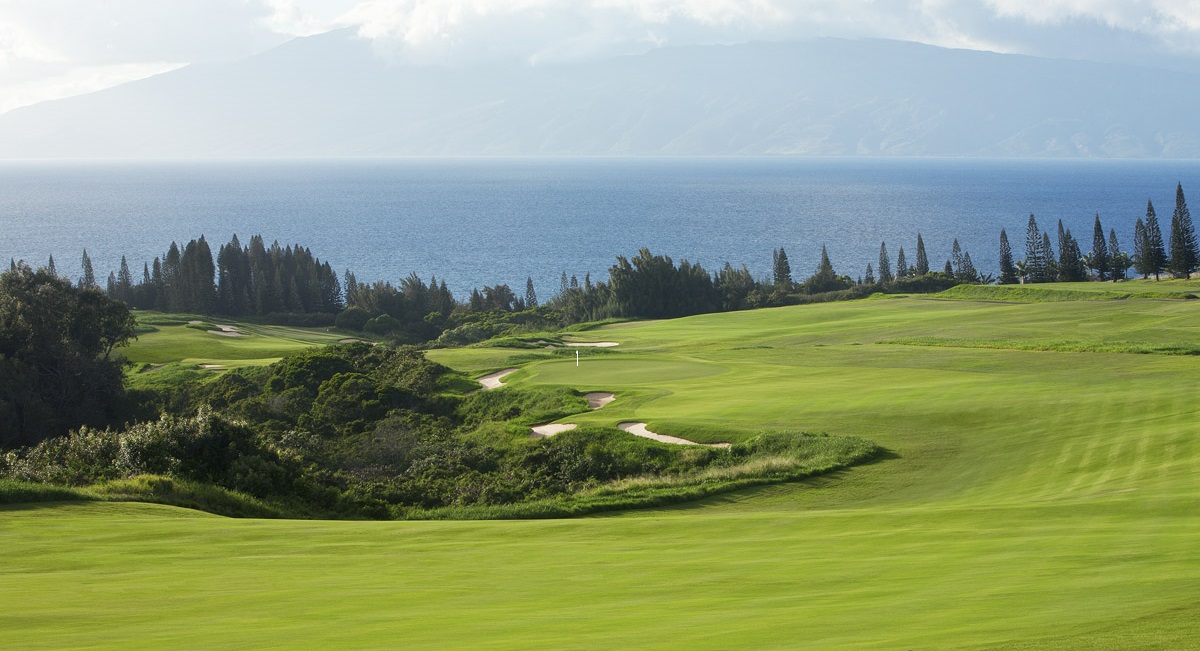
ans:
(826, 279)
(1184, 248)
(651, 286)
(781, 269)
(352, 318)
(1038, 255)
(87, 277)
(1152, 255)
(1070, 265)
(1101, 261)
(885, 264)
(56, 372)
(922, 266)
(1008, 270)
(1118, 261)
(869, 279)
(902, 270)
(531, 299)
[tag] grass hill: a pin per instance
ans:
(1034, 495)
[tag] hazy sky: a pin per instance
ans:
(58, 48)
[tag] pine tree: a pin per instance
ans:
(1183, 244)
(1100, 260)
(124, 283)
(967, 273)
(870, 278)
(781, 268)
(885, 264)
(50, 267)
(957, 258)
(1140, 252)
(1118, 261)
(1070, 260)
(1046, 253)
(1035, 265)
(1008, 270)
(531, 300)
(922, 266)
(901, 264)
(88, 277)
(948, 270)
(1156, 259)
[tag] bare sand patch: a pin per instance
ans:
(593, 344)
(598, 399)
(492, 380)
(212, 366)
(550, 429)
(229, 333)
(639, 429)
(349, 340)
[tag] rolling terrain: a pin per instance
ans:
(1038, 490)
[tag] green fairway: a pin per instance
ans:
(1040, 490)
(172, 341)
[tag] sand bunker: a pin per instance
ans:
(550, 429)
(492, 380)
(598, 399)
(227, 331)
(594, 344)
(639, 429)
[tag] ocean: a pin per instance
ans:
(475, 222)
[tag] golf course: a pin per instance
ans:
(1038, 487)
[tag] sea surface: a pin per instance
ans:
(475, 222)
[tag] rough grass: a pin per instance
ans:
(1028, 499)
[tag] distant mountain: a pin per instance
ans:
(330, 95)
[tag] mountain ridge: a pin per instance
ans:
(331, 95)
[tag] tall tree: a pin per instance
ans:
(55, 346)
(531, 299)
(922, 266)
(88, 277)
(1070, 259)
(50, 267)
(956, 256)
(1141, 253)
(1008, 271)
(1035, 265)
(870, 277)
(1156, 260)
(901, 264)
(885, 264)
(1183, 245)
(781, 268)
(1118, 260)
(1100, 260)
(1046, 254)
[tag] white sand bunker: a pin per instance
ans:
(227, 331)
(492, 380)
(598, 399)
(593, 344)
(550, 429)
(639, 429)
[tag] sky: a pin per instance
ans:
(51, 49)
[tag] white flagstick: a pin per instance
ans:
(577, 358)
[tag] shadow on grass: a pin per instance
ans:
(746, 496)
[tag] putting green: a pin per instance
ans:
(631, 372)
(1029, 499)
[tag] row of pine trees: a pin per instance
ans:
(257, 280)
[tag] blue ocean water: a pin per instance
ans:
(487, 221)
